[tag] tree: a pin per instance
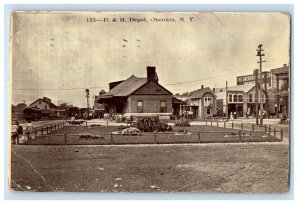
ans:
(185, 94)
(63, 106)
(102, 92)
(19, 107)
(73, 111)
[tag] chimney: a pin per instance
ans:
(151, 74)
(202, 86)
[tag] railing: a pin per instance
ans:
(42, 130)
(246, 126)
(160, 138)
(234, 132)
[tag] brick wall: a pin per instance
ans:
(151, 103)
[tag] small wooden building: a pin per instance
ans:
(202, 103)
(47, 108)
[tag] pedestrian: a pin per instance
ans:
(14, 133)
(28, 130)
(19, 131)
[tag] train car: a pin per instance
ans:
(31, 114)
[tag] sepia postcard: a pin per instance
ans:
(149, 102)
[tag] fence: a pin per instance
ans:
(246, 126)
(242, 132)
(43, 130)
(159, 138)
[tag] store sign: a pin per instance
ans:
(250, 79)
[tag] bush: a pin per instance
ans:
(183, 123)
(131, 131)
(89, 136)
(151, 125)
(283, 119)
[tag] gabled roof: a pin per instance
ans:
(200, 92)
(50, 104)
(126, 87)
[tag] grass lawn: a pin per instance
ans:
(236, 167)
(219, 135)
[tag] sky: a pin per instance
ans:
(60, 55)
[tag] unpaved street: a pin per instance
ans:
(260, 167)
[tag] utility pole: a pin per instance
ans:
(260, 55)
(255, 73)
(226, 100)
(87, 102)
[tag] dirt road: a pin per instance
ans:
(261, 167)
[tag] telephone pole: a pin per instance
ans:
(87, 91)
(226, 101)
(260, 55)
(255, 73)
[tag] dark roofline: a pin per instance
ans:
(177, 101)
(49, 103)
(207, 90)
(149, 82)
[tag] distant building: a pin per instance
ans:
(202, 103)
(273, 83)
(241, 100)
(281, 81)
(47, 108)
(137, 96)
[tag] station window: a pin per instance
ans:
(139, 106)
(163, 106)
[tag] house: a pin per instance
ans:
(202, 103)
(241, 99)
(47, 108)
(178, 106)
(137, 96)
(281, 90)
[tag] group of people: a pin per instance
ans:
(18, 131)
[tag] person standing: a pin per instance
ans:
(28, 130)
(19, 131)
